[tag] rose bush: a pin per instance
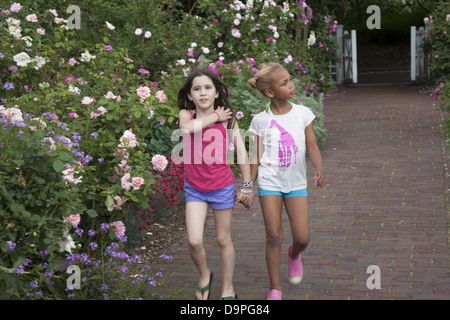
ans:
(436, 45)
(74, 125)
(266, 31)
(87, 119)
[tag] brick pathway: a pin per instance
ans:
(384, 204)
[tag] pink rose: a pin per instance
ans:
(136, 182)
(74, 219)
(159, 162)
(87, 100)
(161, 96)
(116, 204)
(119, 227)
(143, 92)
(68, 79)
(125, 181)
(128, 140)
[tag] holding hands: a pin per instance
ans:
(245, 198)
(245, 195)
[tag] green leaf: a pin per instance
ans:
(5, 247)
(92, 213)
(109, 201)
(39, 180)
(58, 165)
(137, 114)
(112, 234)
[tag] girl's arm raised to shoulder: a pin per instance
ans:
(315, 155)
(193, 125)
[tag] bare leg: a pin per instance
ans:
(227, 255)
(271, 209)
(298, 212)
(195, 222)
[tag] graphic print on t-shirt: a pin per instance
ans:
(284, 146)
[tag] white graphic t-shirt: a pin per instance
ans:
(282, 165)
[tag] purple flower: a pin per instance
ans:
(122, 238)
(79, 232)
(144, 72)
(93, 246)
(48, 274)
(123, 270)
(94, 135)
(104, 227)
(76, 139)
(107, 48)
(12, 246)
(33, 284)
(86, 159)
(8, 86)
(165, 257)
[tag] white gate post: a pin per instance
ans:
(354, 58)
(413, 53)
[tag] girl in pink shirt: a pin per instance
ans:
(207, 122)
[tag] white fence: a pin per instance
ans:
(346, 68)
(418, 68)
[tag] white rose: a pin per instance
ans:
(311, 39)
(15, 31)
(109, 25)
(86, 56)
(31, 18)
(13, 22)
(40, 61)
(13, 114)
(138, 32)
(22, 59)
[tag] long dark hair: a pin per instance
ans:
(221, 101)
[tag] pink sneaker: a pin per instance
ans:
(274, 294)
(295, 269)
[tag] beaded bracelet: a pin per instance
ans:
(247, 192)
(247, 185)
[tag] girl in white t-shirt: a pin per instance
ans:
(284, 133)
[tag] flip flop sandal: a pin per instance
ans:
(206, 288)
(235, 297)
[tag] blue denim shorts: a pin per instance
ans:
(224, 198)
(295, 193)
